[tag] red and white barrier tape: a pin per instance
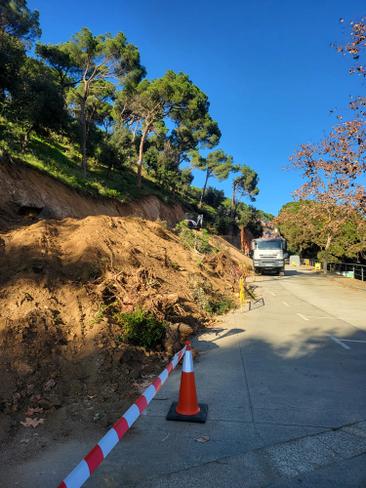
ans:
(94, 458)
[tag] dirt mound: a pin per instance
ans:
(60, 350)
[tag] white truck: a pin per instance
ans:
(269, 254)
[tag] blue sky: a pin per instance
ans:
(266, 65)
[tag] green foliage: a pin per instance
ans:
(83, 111)
(194, 239)
(61, 159)
(293, 221)
(307, 228)
(122, 144)
(265, 216)
(249, 217)
(246, 183)
(223, 219)
(214, 197)
(220, 305)
(164, 168)
(100, 313)
(327, 256)
(141, 328)
(18, 20)
(89, 64)
(210, 301)
(38, 103)
(174, 97)
(217, 164)
(12, 57)
(244, 214)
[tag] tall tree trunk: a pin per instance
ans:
(325, 260)
(84, 158)
(242, 239)
(141, 153)
(26, 138)
(233, 202)
(233, 211)
(204, 188)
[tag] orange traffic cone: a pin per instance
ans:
(188, 408)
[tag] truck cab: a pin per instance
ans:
(269, 254)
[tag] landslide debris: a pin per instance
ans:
(62, 284)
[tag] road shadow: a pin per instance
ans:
(308, 382)
(201, 343)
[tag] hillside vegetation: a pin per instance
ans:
(86, 112)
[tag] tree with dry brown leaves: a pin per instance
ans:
(334, 172)
(356, 46)
(334, 169)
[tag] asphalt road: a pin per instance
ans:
(286, 389)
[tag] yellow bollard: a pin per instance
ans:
(318, 266)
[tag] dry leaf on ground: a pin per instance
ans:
(49, 384)
(32, 422)
(31, 411)
(202, 439)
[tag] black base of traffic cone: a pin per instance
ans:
(200, 417)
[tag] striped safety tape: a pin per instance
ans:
(94, 458)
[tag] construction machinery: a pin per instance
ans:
(269, 254)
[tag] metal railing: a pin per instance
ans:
(351, 270)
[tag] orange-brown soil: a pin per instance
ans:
(61, 356)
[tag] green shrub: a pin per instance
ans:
(194, 239)
(201, 294)
(219, 306)
(210, 300)
(327, 256)
(141, 328)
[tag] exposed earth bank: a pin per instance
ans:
(63, 365)
(26, 193)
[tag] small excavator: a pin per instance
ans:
(195, 224)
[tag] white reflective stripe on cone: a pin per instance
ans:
(188, 362)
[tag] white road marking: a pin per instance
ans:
(317, 317)
(339, 342)
(286, 304)
(302, 316)
(273, 294)
(354, 340)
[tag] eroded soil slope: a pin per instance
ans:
(27, 192)
(61, 354)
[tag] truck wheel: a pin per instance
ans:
(257, 271)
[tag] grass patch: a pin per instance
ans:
(140, 328)
(194, 239)
(220, 305)
(209, 300)
(58, 157)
